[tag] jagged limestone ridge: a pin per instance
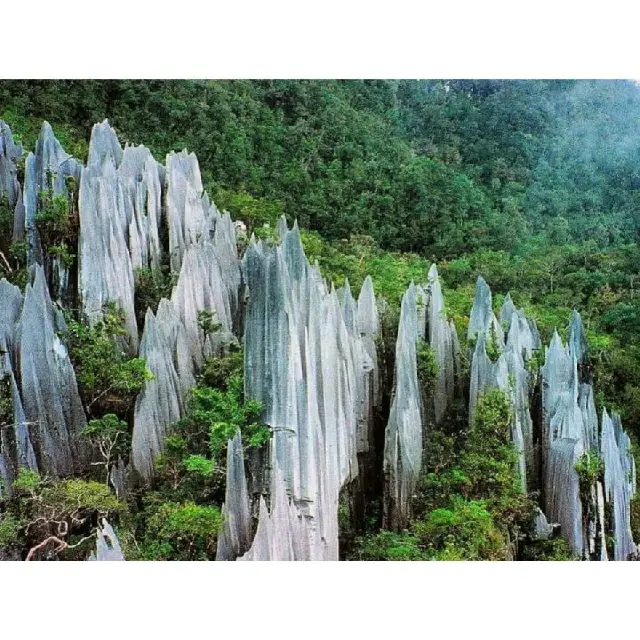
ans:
(301, 362)
(161, 402)
(403, 437)
(482, 319)
(618, 486)
(45, 170)
(47, 411)
(235, 538)
(105, 267)
(444, 342)
(107, 544)
(10, 152)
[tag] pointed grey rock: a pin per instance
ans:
(107, 544)
(482, 318)
(9, 155)
(301, 362)
(48, 385)
(161, 402)
(444, 342)
(104, 144)
(577, 339)
(403, 437)
(235, 538)
(48, 168)
(618, 488)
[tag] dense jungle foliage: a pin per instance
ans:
(533, 184)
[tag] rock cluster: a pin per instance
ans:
(308, 364)
(47, 412)
(422, 318)
(48, 170)
(107, 544)
(571, 437)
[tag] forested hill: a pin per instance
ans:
(440, 168)
(534, 184)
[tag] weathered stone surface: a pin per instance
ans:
(140, 198)
(300, 363)
(104, 144)
(17, 449)
(522, 425)
(190, 217)
(107, 544)
(165, 348)
(105, 270)
(403, 437)
(45, 170)
(118, 477)
(542, 530)
(235, 538)
(619, 485)
(482, 319)
(444, 342)
(562, 488)
(577, 339)
(174, 343)
(202, 286)
(370, 395)
(283, 534)
(506, 311)
(48, 387)
(9, 154)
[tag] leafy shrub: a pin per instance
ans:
(52, 218)
(465, 531)
(427, 365)
(108, 380)
(27, 482)
(184, 531)
(553, 549)
(6, 401)
(10, 531)
(217, 372)
(151, 286)
(388, 545)
(62, 253)
(110, 436)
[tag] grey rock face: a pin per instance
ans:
(300, 362)
(283, 534)
(189, 215)
(444, 342)
(403, 437)
(485, 374)
(542, 530)
(619, 484)
(107, 544)
(507, 310)
(141, 202)
(9, 154)
(370, 394)
(105, 271)
(48, 385)
(563, 442)
(569, 431)
(48, 414)
(577, 338)
(104, 144)
(482, 319)
(47, 169)
(174, 344)
(235, 538)
(161, 402)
